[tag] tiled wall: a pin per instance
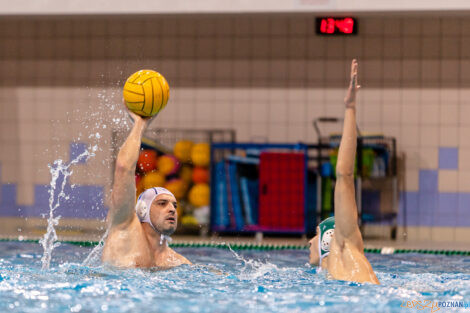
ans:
(267, 77)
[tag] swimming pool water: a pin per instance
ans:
(222, 281)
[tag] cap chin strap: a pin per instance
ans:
(165, 237)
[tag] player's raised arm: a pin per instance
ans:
(123, 194)
(346, 227)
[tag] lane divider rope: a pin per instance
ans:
(262, 246)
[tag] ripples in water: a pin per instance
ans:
(222, 281)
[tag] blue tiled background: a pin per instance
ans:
(448, 158)
(428, 206)
(84, 201)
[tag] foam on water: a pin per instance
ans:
(252, 268)
(224, 281)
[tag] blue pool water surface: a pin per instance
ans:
(222, 281)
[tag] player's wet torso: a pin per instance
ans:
(348, 263)
(129, 247)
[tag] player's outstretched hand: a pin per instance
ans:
(143, 119)
(350, 99)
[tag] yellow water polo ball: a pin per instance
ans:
(153, 179)
(199, 195)
(182, 150)
(200, 154)
(168, 164)
(178, 187)
(146, 92)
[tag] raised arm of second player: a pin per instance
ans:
(346, 227)
(123, 195)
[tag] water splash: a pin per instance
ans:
(101, 113)
(60, 171)
(252, 268)
(94, 257)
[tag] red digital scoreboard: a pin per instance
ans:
(331, 26)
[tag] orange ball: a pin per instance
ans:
(152, 179)
(182, 150)
(147, 160)
(168, 164)
(200, 154)
(200, 175)
(178, 187)
(199, 195)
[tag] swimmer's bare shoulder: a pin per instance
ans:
(126, 246)
(180, 258)
(349, 263)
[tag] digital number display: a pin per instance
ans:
(336, 26)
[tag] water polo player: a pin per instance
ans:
(338, 246)
(139, 232)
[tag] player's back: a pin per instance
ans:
(349, 263)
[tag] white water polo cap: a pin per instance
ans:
(327, 229)
(144, 203)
